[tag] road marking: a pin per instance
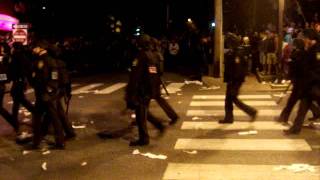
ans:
(221, 103)
(261, 112)
(86, 89)
(75, 85)
(260, 125)
(240, 97)
(111, 89)
(244, 144)
(174, 87)
(234, 171)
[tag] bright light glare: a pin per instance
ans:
(213, 24)
(189, 20)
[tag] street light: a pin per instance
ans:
(189, 20)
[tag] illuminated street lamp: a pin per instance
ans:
(189, 20)
(213, 24)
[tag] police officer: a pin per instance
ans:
(143, 85)
(20, 73)
(234, 76)
(4, 65)
(296, 74)
(64, 96)
(311, 79)
(160, 100)
(45, 80)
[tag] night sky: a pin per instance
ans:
(73, 16)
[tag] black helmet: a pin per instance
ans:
(144, 41)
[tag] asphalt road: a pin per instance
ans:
(197, 147)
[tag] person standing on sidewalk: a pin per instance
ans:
(234, 76)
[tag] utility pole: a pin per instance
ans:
(218, 39)
(280, 25)
(254, 15)
(167, 15)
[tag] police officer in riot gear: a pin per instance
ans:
(4, 65)
(297, 64)
(143, 85)
(64, 96)
(311, 73)
(234, 76)
(160, 100)
(20, 74)
(45, 80)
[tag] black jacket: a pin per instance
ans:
(144, 80)
(235, 65)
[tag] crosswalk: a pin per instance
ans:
(202, 117)
(105, 89)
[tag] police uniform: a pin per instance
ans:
(45, 80)
(311, 86)
(20, 72)
(160, 100)
(311, 89)
(143, 85)
(234, 76)
(296, 74)
(63, 99)
(4, 61)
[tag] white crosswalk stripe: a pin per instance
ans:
(221, 97)
(86, 88)
(95, 88)
(259, 125)
(234, 171)
(263, 112)
(221, 103)
(111, 89)
(244, 144)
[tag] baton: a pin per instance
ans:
(164, 87)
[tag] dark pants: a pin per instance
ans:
(297, 92)
(65, 123)
(46, 109)
(4, 113)
(142, 115)
(17, 93)
(305, 104)
(233, 89)
(166, 108)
